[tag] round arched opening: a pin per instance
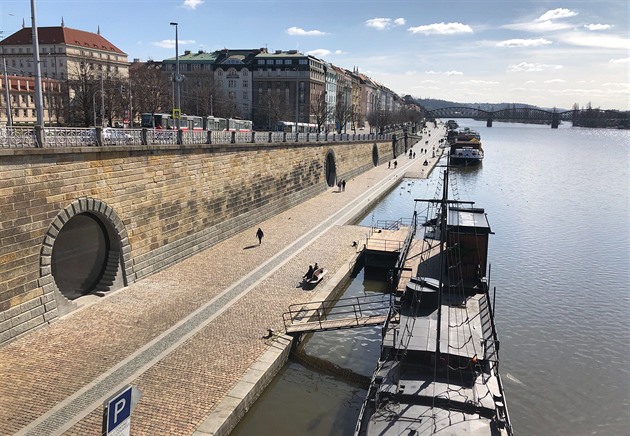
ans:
(79, 256)
(375, 155)
(331, 169)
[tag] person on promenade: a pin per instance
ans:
(343, 185)
(259, 235)
(309, 273)
(389, 164)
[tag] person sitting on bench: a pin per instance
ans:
(309, 273)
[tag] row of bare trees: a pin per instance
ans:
(95, 96)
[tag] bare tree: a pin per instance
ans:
(319, 109)
(150, 89)
(271, 107)
(343, 112)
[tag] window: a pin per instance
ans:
(278, 61)
(269, 61)
(231, 83)
(232, 95)
(245, 72)
(245, 84)
(220, 72)
(245, 96)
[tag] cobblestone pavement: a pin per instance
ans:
(185, 335)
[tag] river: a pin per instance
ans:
(557, 200)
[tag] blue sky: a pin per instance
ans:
(547, 53)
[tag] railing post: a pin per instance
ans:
(99, 136)
(144, 133)
(270, 136)
(253, 137)
(40, 140)
(233, 138)
(180, 137)
(284, 136)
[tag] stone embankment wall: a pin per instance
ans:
(162, 203)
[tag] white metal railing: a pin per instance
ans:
(27, 137)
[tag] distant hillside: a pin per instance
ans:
(432, 104)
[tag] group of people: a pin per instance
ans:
(341, 185)
(311, 271)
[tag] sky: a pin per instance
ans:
(539, 52)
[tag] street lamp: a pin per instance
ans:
(177, 78)
(297, 97)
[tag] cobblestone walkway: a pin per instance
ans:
(186, 335)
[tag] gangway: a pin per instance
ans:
(318, 316)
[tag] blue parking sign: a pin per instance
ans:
(119, 412)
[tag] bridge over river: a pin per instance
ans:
(579, 117)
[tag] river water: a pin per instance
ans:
(557, 201)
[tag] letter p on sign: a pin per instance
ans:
(119, 413)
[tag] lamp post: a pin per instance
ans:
(39, 101)
(177, 78)
(297, 99)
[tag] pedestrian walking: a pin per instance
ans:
(259, 235)
(389, 164)
(343, 185)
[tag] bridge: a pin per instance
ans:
(579, 117)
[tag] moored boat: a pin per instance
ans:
(438, 372)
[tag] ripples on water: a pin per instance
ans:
(558, 203)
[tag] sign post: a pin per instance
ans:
(117, 412)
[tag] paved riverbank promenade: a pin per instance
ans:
(190, 337)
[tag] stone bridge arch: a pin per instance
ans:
(85, 251)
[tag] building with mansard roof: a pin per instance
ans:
(64, 53)
(217, 83)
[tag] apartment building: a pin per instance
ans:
(66, 55)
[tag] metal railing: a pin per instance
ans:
(322, 312)
(51, 137)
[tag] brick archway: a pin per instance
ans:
(119, 254)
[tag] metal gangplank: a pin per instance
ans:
(344, 313)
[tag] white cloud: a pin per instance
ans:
(445, 73)
(170, 43)
(620, 61)
(192, 4)
(296, 31)
(554, 14)
(555, 81)
(598, 26)
(442, 29)
(598, 41)
(384, 23)
(319, 53)
(524, 42)
(540, 26)
(529, 67)
(483, 82)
